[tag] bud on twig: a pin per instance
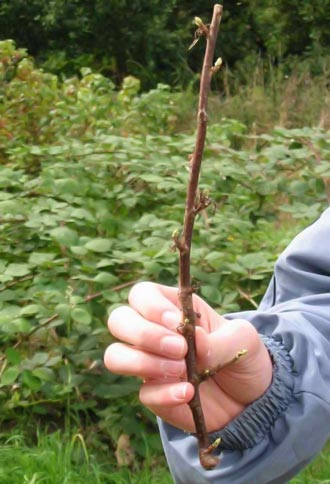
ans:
(217, 65)
(194, 203)
(198, 21)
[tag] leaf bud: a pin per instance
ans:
(218, 63)
(206, 193)
(216, 443)
(175, 234)
(198, 21)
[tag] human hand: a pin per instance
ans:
(152, 349)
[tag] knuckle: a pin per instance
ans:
(117, 315)
(247, 333)
(109, 358)
(139, 288)
(142, 395)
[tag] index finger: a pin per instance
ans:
(156, 303)
(161, 305)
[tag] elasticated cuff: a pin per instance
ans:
(250, 427)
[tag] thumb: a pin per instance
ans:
(221, 346)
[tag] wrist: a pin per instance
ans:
(250, 427)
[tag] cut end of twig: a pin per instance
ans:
(208, 460)
(218, 9)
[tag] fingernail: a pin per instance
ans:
(171, 319)
(172, 346)
(179, 392)
(172, 368)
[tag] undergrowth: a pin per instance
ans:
(61, 458)
(91, 179)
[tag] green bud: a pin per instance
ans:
(241, 353)
(198, 21)
(206, 193)
(216, 443)
(218, 63)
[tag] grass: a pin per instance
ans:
(268, 97)
(58, 458)
(61, 459)
(318, 472)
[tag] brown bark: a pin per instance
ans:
(194, 203)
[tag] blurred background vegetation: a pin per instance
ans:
(149, 39)
(97, 119)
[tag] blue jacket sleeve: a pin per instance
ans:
(280, 433)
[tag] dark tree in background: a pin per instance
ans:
(149, 38)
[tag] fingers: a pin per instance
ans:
(129, 326)
(170, 402)
(125, 360)
(160, 304)
(166, 394)
(156, 303)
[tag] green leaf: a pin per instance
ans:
(31, 381)
(8, 295)
(81, 316)
(116, 390)
(99, 245)
(40, 258)
(105, 263)
(11, 207)
(22, 325)
(44, 374)
(78, 250)
(64, 236)
(30, 310)
(63, 310)
(68, 186)
(40, 358)
(253, 260)
(106, 279)
(82, 214)
(13, 356)
(298, 188)
(211, 293)
(10, 375)
(5, 279)
(3, 264)
(17, 270)
(9, 313)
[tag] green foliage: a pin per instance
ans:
(62, 458)
(292, 27)
(92, 185)
(59, 458)
(149, 39)
(45, 109)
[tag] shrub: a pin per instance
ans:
(92, 185)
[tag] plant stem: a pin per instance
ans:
(194, 203)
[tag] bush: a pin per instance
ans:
(149, 39)
(92, 185)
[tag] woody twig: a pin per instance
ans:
(195, 202)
